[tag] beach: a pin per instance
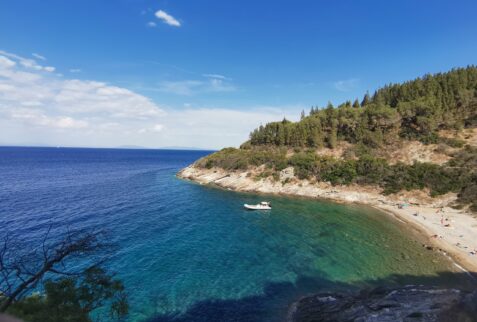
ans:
(449, 231)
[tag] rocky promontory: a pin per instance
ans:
(409, 303)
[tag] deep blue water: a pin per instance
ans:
(191, 253)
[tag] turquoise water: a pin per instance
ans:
(191, 253)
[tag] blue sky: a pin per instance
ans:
(205, 73)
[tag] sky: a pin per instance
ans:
(196, 73)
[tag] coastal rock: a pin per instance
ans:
(287, 173)
(409, 303)
(420, 213)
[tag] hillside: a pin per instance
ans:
(418, 135)
(416, 109)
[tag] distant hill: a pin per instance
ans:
(138, 147)
(184, 148)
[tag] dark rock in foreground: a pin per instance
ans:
(409, 303)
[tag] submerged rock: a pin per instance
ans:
(409, 303)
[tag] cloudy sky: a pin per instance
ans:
(205, 73)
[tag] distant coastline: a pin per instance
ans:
(185, 148)
(121, 147)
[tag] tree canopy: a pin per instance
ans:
(416, 110)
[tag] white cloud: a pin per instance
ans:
(90, 97)
(155, 128)
(221, 127)
(167, 18)
(151, 24)
(75, 70)
(38, 56)
(6, 63)
(31, 97)
(37, 107)
(158, 128)
(215, 76)
(37, 118)
(27, 62)
(219, 85)
(187, 87)
(346, 85)
(191, 87)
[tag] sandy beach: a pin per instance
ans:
(448, 230)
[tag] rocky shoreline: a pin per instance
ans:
(408, 303)
(425, 214)
(448, 230)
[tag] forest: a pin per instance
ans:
(416, 109)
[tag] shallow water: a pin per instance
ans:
(192, 253)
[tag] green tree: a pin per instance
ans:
(24, 267)
(74, 299)
(366, 100)
(424, 105)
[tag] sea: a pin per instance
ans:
(188, 252)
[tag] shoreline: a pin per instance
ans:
(462, 263)
(449, 231)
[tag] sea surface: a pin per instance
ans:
(188, 252)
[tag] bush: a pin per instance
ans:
(73, 299)
(458, 175)
(452, 142)
(341, 172)
(304, 164)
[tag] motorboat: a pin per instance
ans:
(264, 205)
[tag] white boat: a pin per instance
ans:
(261, 206)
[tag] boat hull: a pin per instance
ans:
(256, 207)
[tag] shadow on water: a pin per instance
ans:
(273, 304)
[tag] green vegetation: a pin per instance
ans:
(241, 159)
(44, 283)
(73, 299)
(416, 110)
(458, 175)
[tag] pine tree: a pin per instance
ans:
(414, 109)
(366, 100)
